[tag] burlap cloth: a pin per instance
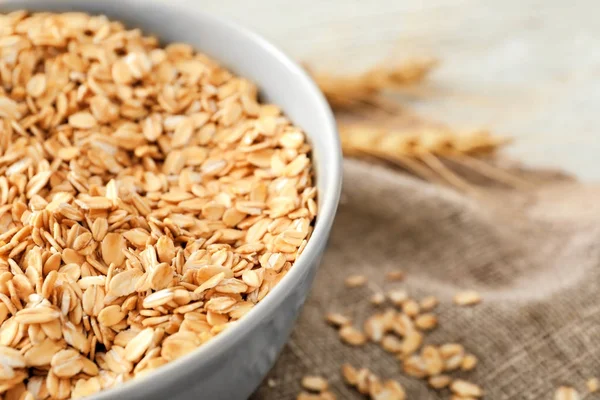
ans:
(533, 256)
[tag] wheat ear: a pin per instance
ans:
(422, 150)
(352, 92)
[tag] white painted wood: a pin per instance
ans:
(525, 68)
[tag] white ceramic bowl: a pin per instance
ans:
(232, 365)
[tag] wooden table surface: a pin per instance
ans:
(529, 69)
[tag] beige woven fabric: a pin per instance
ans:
(534, 257)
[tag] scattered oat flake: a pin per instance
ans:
(349, 374)
(467, 298)
(337, 319)
(426, 322)
(428, 303)
(566, 393)
(377, 299)
(469, 362)
(398, 296)
(411, 308)
(308, 396)
(394, 275)
(439, 381)
(465, 388)
(391, 343)
(391, 390)
(352, 336)
(314, 383)
(375, 327)
(327, 395)
(593, 385)
(366, 382)
(355, 281)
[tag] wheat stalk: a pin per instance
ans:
(354, 92)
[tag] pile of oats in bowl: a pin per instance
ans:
(147, 201)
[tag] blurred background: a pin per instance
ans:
(528, 69)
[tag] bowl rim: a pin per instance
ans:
(328, 198)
